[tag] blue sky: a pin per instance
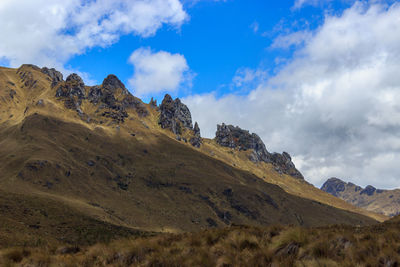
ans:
(319, 79)
(219, 38)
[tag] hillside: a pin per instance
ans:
(332, 246)
(385, 202)
(104, 158)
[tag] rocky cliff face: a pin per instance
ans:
(237, 138)
(196, 139)
(385, 202)
(55, 76)
(176, 116)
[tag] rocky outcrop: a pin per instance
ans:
(134, 103)
(237, 138)
(95, 94)
(153, 103)
(174, 115)
(26, 76)
(284, 163)
(108, 94)
(369, 190)
(55, 76)
(112, 84)
(335, 186)
(73, 87)
(73, 91)
(112, 97)
(196, 139)
(386, 202)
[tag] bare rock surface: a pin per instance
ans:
(237, 138)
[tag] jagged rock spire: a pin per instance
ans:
(174, 115)
(196, 140)
(153, 103)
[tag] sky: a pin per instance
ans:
(319, 79)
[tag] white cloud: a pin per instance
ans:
(246, 76)
(293, 39)
(51, 32)
(335, 106)
(301, 3)
(156, 72)
(255, 26)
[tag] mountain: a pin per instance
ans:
(88, 163)
(385, 202)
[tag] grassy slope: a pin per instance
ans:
(134, 181)
(37, 221)
(239, 159)
(234, 246)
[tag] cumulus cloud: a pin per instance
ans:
(156, 72)
(335, 106)
(51, 32)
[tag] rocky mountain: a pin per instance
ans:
(235, 137)
(79, 160)
(386, 202)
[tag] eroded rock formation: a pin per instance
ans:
(237, 138)
(174, 115)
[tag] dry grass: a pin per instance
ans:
(235, 246)
(15, 111)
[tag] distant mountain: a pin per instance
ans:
(77, 161)
(385, 202)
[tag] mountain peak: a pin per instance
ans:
(333, 186)
(75, 78)
(370, 198)
(112, 83)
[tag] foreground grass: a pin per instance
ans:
(235, 246)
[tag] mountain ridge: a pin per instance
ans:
(108, 155)
(370, 198)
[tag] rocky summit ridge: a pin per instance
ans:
(370, 198)
(112, 100)
(237, 138)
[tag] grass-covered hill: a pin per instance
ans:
(84, 164)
